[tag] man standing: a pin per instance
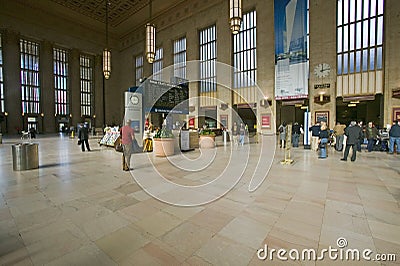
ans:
(371, 133)
(83, 136)
(339, 133)
(127, 137)
(354, 134)
(394, 137)
(315, 129)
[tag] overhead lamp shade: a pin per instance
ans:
(150, 42)
(235, 15)
(106, 63)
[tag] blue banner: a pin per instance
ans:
(291, 65)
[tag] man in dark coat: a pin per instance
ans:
(354, 134)
(83, 136)
(394, 137)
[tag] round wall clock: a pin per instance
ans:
(134, 100)
(322, 70)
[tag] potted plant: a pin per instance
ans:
(207, 139)
(163, 142)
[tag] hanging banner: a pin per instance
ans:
(291, 65)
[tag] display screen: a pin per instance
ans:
(162, 97)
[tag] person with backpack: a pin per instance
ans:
(282, 134)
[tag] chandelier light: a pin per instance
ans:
(150, 39)
(106, 51)
(235, 15)
(150, 42)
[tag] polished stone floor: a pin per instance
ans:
(82, 209)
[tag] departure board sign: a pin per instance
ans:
(162, 97)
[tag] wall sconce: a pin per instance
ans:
(70, 115)
(396, 93)
(322, 99)
(106, 51)
(94, 116)
(265, 103)
(42, 114)
(223, 106)
(5, 113)
(235, 15)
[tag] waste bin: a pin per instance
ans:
(25, 156)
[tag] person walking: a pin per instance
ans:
(282, 134)
(323, 140)
(235, 132)
(338, 130)
(296, 131)
(394, 137)
(83, 136)
(242, 132)
(127, 137)
(371, 133)
(354, 134)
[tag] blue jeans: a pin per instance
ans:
(392, 141)
(371, 143)
(241, 139)
(339, 142)
(295, 140)
(322, 149)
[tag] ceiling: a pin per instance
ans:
(123, 15)
(118, 10)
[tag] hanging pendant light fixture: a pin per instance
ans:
(107, 51)
(150, 40)
(235, 15)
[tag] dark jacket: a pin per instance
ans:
(83, 133)
(354, 134)
(371, 132)
(395, 131)
(315, 129)
(296, 129)
(323, 134)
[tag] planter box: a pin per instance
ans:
(207, 142)
(163, 147)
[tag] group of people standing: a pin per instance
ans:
(355, 135)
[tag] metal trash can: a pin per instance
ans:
(25, 156)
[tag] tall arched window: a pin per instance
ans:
(360, 46)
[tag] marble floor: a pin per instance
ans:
(80, 208)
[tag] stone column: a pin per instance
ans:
(47, 89)
(12, 80)
(323, 50)
(74, 87)
(98, 110)
(392, 58)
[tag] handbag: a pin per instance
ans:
(79, 142)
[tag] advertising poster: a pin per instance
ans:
(291, 66)
(265, 121)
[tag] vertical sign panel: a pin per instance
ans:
(291, 66)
